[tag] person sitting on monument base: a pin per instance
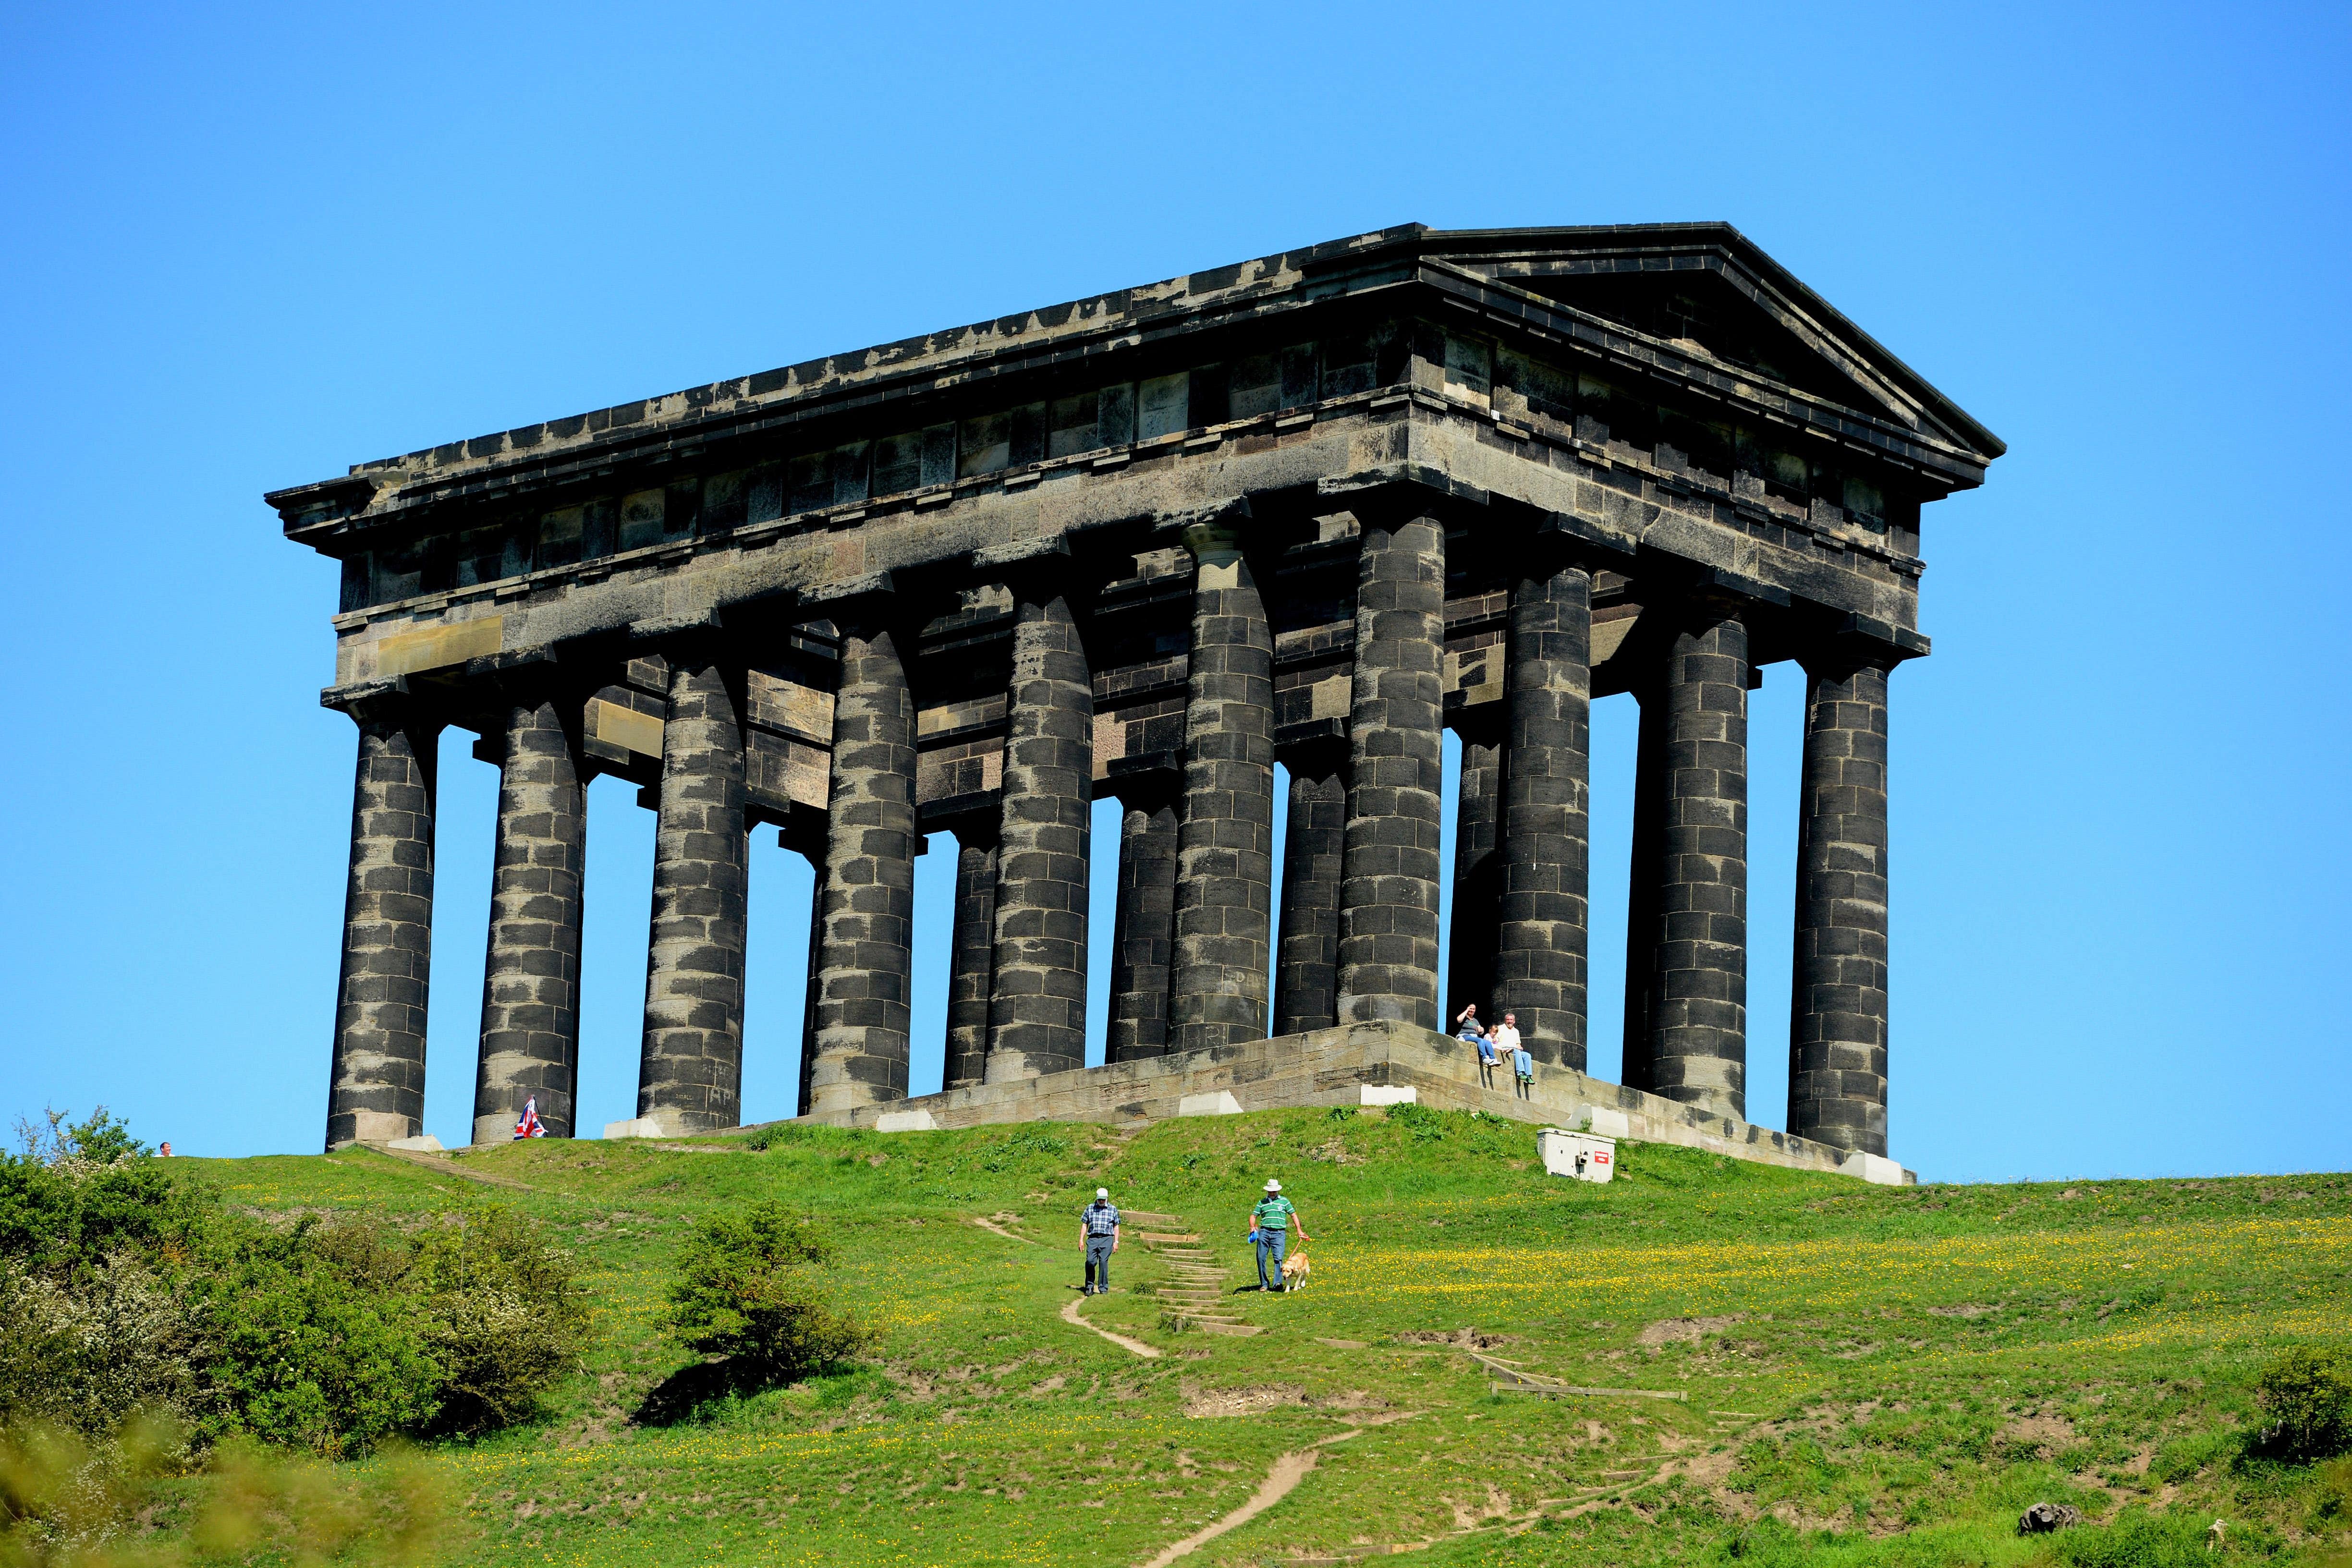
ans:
(1098, 1236)
(1270, 1224)
(1470, 1032)
(1503, 1043)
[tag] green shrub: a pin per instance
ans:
(747, 1292)
(80, 1353)
(311, 1356)
(332, 1338)
(78, 1195)
(126, 1288)
(2307, 1394)
(504, 1317)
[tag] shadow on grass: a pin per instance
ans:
(688, 1393)
(683, 1393)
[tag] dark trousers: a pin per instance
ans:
(1098, 1264)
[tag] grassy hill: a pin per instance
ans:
(1864, 1375)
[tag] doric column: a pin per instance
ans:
(1314, 852)
(1224, 874)
(1037, 1015)
(1545, 852)
(376, 1087)
(1698, 967)
(530, 978)
(690, 1069)
(973, 955)
(865, 904)
(1837, 1014)
(1477, 872)
(1388, 899)
(1144, 947)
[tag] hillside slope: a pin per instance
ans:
(1860, 1374)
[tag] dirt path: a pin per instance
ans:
(449, 1165)
(1070, 1315)
(1288, 1470)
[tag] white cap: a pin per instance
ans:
(1102, 1192)
(1274, 1186)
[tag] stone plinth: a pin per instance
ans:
(1332, 1067)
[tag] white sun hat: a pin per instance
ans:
(1102, 1192)
(1272, 1185)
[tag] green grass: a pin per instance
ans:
(1881, 1376)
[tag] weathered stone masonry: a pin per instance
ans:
(1312, 510)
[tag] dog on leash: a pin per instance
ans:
(1296, 1266)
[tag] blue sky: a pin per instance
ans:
(246, 246)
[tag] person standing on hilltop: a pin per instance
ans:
(1270, 1224)
(1099, 1235)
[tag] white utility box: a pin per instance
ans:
(1586, 1156)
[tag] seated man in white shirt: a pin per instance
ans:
(1506, 1036)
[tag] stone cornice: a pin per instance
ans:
(1423, 267)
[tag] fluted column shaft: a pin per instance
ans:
(1225, 875)
(1477, 877)
(1143, 950)
(1546, 851)
(1838, 1012)
(867, 903)
(691, 1066)
(1037, 1014)
(1389, 909)
(1698, 968)
(531, 977)
(1314, 854)
(376, 1084)
(973, 957)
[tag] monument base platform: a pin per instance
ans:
(1357, 1065)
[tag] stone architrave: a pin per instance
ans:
(1314, 851)
(1838, 1016)
(1545, 855)
(531, 975)
(691, 1068)
(1388, 899)
(1037, 1015)
(1699, 966)
(1144, 945)
(1224, 872)
(972, 955)
(376, 1084)
(867, 902)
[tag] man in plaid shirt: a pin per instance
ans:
(1098, 1234)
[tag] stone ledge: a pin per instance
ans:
(1335, 1067)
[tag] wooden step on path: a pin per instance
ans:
(1198, 1288)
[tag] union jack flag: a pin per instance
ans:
(531, 1126)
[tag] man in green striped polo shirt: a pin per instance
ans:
(1270, 1224)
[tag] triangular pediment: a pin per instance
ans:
(1706, 292)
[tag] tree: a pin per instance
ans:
(747, 1292)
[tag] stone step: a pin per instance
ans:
(1239, 1331)
(1163, 1238)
